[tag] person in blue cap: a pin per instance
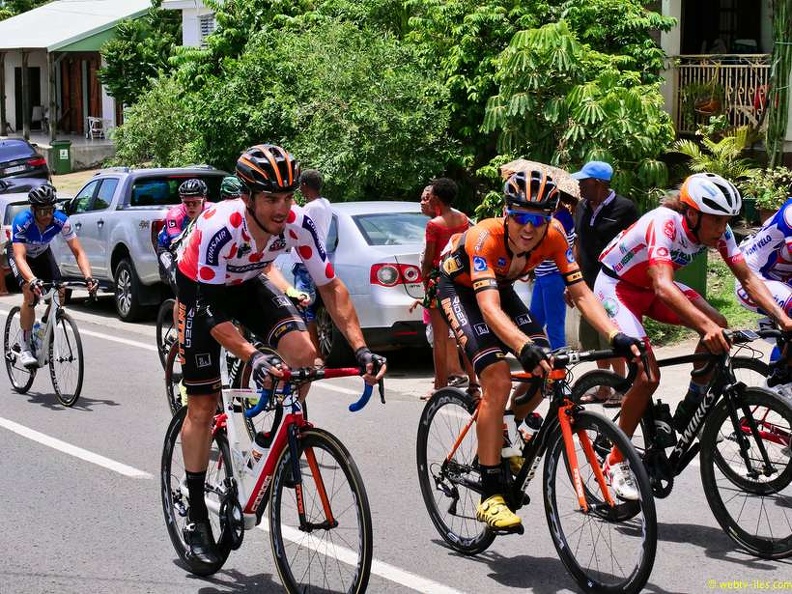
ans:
(600, 216)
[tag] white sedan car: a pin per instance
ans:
(375, 248)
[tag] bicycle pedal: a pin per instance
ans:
(519, 529)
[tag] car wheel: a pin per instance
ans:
(127, 292)
(333, 347)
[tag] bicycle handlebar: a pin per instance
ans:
(310, 374)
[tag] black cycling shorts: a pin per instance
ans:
(42, 266)
(461, 311)
(256, 304)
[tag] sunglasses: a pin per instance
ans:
(523, 218)
(46, 210)
(192, 203)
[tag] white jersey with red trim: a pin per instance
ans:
(221, 250)
(661, 236)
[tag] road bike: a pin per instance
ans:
(319, 516)
(166, 331)
(606, 544)
(741, 434)
(58, 346)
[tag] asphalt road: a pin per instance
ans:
(80, 504)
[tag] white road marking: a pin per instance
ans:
(126, 341)
(73, 450)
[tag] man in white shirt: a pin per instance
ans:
(317, 208)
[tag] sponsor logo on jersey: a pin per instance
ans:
(243, 250)
(479, 264)
(481, 329)
(278, 245)
(309, 225)
(247, 267)
(611, 306)
(501, 262)
(484, 283)
(522, 319)
(171, 222)
(661, 252)
(216, 243)
(203, 360)
(452, 264)
(759, 243)
(669, 230)
(570, 255)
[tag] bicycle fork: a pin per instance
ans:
(565, 414)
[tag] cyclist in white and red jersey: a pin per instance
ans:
(768, 252)
(219, 277)
(637, 280)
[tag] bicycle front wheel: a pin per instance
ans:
(166, 331)
(752, 500)
(451, 488)
(66, 363)
(175, 497)
(751, 371)
(330, 549)
(21, 377)
(603, 548)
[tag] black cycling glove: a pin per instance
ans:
(364, 356)
(531, 354)
(91, 285)
(261, 365)
(622, 344)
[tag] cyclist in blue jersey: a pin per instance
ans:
(768, 253)
(31, 259)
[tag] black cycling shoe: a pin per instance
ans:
(198, 535)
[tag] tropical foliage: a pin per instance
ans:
(9, 8)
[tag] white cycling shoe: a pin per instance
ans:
(621, 480)
(26, 358)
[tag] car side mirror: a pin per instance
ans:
(70, 206)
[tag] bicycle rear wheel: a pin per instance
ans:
(332, 550)
(754, 507)
(166, 331)
(66, 362)
(173, 379)
(604, 550)
(21, 377)
(451, 489)
(175, 499)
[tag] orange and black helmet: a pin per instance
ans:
(268, 168)
(531, 189)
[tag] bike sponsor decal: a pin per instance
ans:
(479, 264)
(216, 244)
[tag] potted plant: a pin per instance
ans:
(702, 99)
(768, 188)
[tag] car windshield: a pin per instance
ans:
(392, 228)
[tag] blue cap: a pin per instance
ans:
(595, 169)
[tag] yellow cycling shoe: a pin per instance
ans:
(494, 512)
(183, 393)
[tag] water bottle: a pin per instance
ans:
(530, 426)
(665, 436)
(37, 335)
(258, 450)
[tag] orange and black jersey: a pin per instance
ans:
(480, 257)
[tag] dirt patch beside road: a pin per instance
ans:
(69, 183)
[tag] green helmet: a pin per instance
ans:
(231, 187)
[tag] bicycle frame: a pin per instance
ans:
(52, 298)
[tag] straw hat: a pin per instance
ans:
(563, 179)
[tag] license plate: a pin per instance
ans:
(16, 169)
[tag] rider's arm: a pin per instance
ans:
(759, 293)
(20, 258)
(79, 254)
(336, 299)
(661, 276)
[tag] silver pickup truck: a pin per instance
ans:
(117, 215)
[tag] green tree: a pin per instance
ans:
(139, 53)
(562, 102)
(9, 8)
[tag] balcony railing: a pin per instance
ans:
(742, 77)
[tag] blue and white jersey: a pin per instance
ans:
(25, 230)
(769, 251)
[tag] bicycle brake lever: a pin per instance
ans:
(364, 398)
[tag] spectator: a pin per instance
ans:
(447, 221)
(547, 300)
(317, 209)
(600, 216)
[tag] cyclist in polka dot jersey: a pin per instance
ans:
(225, 274)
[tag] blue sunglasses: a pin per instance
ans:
(523, 218)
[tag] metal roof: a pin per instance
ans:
(61, 23)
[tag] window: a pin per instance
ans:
(392, 228)
(105, 195)
(82, 200)
(207, 22)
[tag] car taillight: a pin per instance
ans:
(37, 162)
(390, 275)
(156, 227)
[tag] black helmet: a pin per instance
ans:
(268, 168)
(230, 187)
(531, 189)
(193, 188)
(44, 195)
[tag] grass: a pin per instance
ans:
(720, 294)
(69, 183)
